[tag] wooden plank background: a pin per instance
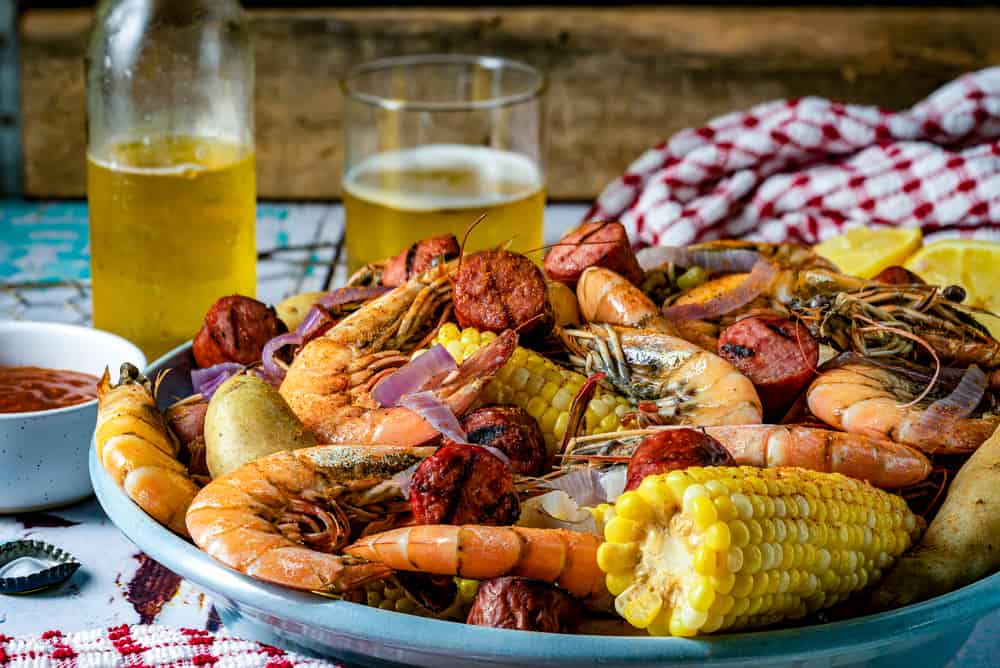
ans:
(620, 78)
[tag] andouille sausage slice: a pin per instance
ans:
(512, 431)
(496, 290)
(463, 484)
(418, 258)
(593, 244)
(779, 357)
(235, 330)
(526, 605)
(674, 449)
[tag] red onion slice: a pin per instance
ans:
(269, 365)
(436, 413)
(730, 260)
(347, 295)
(413, 375)
(739, 296)
(957, 405)
(206, 381)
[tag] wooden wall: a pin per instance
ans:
(620, 78)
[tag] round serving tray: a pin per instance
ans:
(927, 634)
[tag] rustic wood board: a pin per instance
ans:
(620, 78)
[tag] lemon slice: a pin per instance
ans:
(974, 265)
(865, 251)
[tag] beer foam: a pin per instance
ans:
(180, 169)
(499, 177)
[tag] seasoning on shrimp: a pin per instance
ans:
(674, 381)
(282, 518)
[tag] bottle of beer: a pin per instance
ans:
(170, 165)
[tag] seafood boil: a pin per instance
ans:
(682, 441)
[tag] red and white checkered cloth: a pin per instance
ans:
(145, 647)
(803, 170)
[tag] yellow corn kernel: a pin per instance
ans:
(631, 505)
(617, 557)
(618, 582)
(623, 530)
(704, 560)
(717, 537)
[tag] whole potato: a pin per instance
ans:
(293, 310)
(564, 304)
(246, 420)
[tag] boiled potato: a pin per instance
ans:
(246, 420)
(293, 310)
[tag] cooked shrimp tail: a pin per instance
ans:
(565, 558)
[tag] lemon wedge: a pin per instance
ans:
(865, 251)
(974, 265)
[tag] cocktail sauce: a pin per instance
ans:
(32, 388)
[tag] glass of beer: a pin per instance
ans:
(433, 143)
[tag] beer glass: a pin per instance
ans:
(434, 142)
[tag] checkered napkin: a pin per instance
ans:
(803, 170)
(145, 647)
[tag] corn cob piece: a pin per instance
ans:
(538, 385)
(389, 594)
(708, 549)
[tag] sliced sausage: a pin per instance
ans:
(235, 330)
(896, 275)
(525, 605)
(463, 484)
(511, 430)
(674, 449)
(593, 244)
(418, 258)
(497, 290)
(777, 355)
(187, 422)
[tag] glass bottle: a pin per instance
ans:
(170, 165)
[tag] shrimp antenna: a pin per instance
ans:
(917, 339)
(465, 237)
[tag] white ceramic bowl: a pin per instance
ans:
(43, 454)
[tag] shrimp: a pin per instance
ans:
(567, 559)
(887, 402)
(281, 518)
(672, 380)
(138, 450)
(870, 318)
(328, 388)
(881, 462)
(787, 256)
(605, 296)
(328, 384)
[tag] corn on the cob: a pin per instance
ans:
(538, 385)
(389, 594)
(708, 549)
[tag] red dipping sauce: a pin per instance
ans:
(32, 388)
